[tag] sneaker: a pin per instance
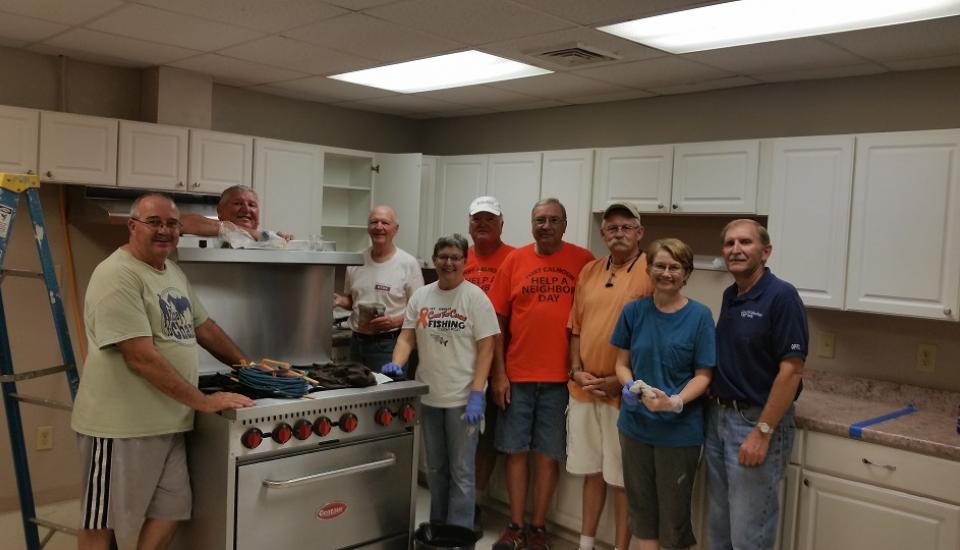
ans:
(537, 538)
(512, 538)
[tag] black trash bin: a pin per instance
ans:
(443, 537)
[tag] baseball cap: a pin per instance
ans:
(622, 205)
(485, 204)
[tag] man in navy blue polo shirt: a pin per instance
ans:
(761, 346)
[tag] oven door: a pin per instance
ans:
(344, 496)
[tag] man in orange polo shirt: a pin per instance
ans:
(593, 445)
(532, 294)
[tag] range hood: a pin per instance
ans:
(106, 205)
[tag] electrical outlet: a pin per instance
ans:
(927, 358)
(44, 438)
(827, 345)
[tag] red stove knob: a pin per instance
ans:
(322, 426)
(302, 429)
(348, 422)
(408, 413)
(282, 433)
(384, 417)
(252, 438)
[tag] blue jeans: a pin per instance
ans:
(451, 446)
(743, 509)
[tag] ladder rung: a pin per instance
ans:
(21, 273)
(55, 526)
(42, 401)
(16, 377)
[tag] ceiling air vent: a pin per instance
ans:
(574, 55)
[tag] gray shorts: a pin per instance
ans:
(125, 481)
(659, 484)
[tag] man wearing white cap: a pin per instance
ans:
(483, 260)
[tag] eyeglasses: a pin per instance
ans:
(157, 224)
(671, 269)
(552, 220)
(445, 258)
(626, 228)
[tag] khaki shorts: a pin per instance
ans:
(593, 441)
(125, 481)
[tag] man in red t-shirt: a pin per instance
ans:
(532, 294)
(483, 260)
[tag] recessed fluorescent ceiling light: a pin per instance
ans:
(754, 21)
(441, 72)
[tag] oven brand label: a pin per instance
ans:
(331, 510)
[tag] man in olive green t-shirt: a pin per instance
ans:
(139, 390)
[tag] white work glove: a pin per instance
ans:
(658, 401)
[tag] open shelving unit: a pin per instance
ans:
(347, 199)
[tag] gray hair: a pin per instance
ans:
(135, 207)
(455, 241)
(225, 196)
(545, 202)
(762, 232)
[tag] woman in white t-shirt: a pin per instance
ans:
(452, 324)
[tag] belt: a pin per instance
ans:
(739, 404)
(378, 336)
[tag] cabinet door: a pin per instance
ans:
(461, 179)
(514, 179)
(428, 209)
(905, 228)
(716, 177)
(288, 179)
(78, 149)
(810, 215)
(152, 156)
(219, 161)
(567, 176)
(398, 184)
(19, 139)
(836, 514)
(642, 175)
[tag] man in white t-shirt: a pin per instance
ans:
(388, 277)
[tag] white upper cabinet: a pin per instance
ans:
(715, 177)
(218, 161)
(19, 134)
(428, 209)
(460, 180)
(641, 175)
(567, 175)
(288, 180)
(905, 226)
(397, 184)
(348, 187)
(152, 156)
(810, 215)
(514, 179)
(78, 149)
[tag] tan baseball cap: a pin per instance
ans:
(485, 204)
(622, 205)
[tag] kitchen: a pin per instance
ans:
(896, 79)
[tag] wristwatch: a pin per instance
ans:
(764, 428)
(574, 370)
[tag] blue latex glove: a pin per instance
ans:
(474, 407)
(392, 369)
(628, 397)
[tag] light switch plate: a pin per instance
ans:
(927, 358)
(826, 346)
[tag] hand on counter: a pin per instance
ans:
(221, 400)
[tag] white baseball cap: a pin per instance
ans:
(485, 204)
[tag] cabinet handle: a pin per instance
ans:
(196, 184)
(179, 184)
(889, 467)
(947, 311)
(660, 206)
(806, 482)
(29, 172)
(49, 174)
(675, 207)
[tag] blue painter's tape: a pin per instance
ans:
(856, 430)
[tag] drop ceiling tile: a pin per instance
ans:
(911, 41)
(401, 104)
(321, 88)
(480, 96)
(166, 27)
(604, 98)
(359, 5)
(610, 11)
(11, 43)
(60, 11)
(270, 17)
(296, 55)
(472, 111)
(111, 45)
(470, 21)
(823, 72)
(706, 85)
(20, 30)
(924, 63)
(524, 48)
(89, 57)
(558, 85)
(662, 71)
(542, 104)
(232, 71)
(780, 56)
(373, 38)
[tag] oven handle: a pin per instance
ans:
(297, 481)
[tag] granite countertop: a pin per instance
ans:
(832, 403)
